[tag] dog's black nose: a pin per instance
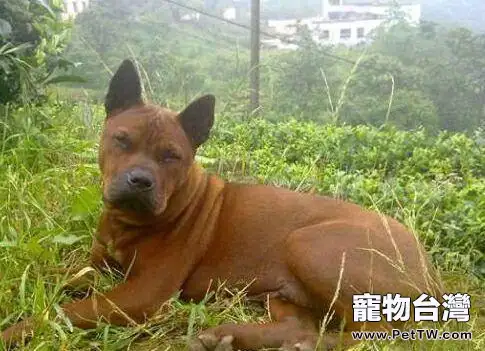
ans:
(140, 179)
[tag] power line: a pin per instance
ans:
(240, 25)
(228, 39)
(208, 14)
(216, 41)
(274, 36)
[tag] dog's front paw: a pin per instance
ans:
(210, 342)
(17, 334)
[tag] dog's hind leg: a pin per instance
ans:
(292, 328)
(333, 262)
(336, 261)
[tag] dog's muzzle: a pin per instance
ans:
(133, 190)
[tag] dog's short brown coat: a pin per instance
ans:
(171, 227)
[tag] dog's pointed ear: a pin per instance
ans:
(197, 119)
(124, 88)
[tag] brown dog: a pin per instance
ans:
(171, 227)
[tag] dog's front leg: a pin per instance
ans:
(133, 301)
(130, 302)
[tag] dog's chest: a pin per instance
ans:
(122, 248)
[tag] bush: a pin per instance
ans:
(32, 40)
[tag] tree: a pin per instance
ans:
(451, 63)
(32, 40)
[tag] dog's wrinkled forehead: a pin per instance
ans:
(148, 123)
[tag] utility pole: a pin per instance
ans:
(255, 54)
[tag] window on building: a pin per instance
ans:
(325, 35)
(360, 32)
(345, 33)
(74, 7)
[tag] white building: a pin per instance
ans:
(345, 28)
(410, 8)
(348, 22)
(74, 7)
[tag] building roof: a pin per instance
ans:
(378, 2)
(334, 16)
(338, 16)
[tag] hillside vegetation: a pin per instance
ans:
(410, 76)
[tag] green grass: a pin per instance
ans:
(50, 201)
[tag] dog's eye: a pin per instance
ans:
(122, 140)
(169, 156)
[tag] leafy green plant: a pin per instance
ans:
(32, 40)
